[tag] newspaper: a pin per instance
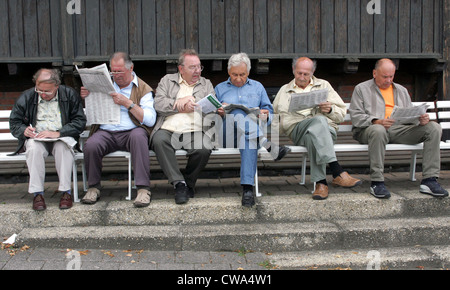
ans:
(409, 115)
(100, 107)
(208, 104)
(248, 111)
(303, 101)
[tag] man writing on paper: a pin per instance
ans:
(314, 128)
(132, 134)
(48, 111)
(372, 104)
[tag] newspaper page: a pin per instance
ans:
(303, 101)
(408, 115)
(248, 111)
(100, 107)
(208, 104)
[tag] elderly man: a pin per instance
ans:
(132, 134)
(48, 111)
(179, 126)
(314, 128)
(372, 104)
(245, 129)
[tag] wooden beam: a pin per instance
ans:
(446, 49)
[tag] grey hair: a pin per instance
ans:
(185, 52)
(54, 77)
(122, 55)
(294, 63)
(237, 59)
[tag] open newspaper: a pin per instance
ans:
(303, 101)
(100, 107)
(409, 115)
(208, 104)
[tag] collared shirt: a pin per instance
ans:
(48, 115)
(184, 122)
(146, 104)
(252, 94)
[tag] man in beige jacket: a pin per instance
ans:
(315, 128)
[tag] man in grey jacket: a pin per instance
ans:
(371, 106)
(179, 126)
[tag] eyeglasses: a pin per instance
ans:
(44, 93)
(195, 67)
(116, 73)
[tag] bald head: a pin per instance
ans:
(384, 73)
(303, 69)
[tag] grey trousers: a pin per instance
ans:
(36, 152)
(197, 145)
(376, 136)
(319, 138)
(103, 142)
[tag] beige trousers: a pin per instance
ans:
(37, 152)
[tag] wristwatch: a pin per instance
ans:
(131, 107)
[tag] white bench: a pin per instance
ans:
(440, 116)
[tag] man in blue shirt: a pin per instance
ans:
(132, 134)
(246, 130)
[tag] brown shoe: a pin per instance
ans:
(39, 203)
(321, 192)
(345, 180)
(66, 201)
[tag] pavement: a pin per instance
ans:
(285, 230)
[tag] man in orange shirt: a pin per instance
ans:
(371, 107)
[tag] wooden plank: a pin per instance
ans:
(327, 26)
(416, 26)
(301, 26)
(404, 26)
(135, 27)
(341, 26)
(4, 32)
(260, 26)
(273, 26)
(354, 26)
(246, 16)
(232, 26)
(287, 26)
(149, 27)
(16, 28)
(314, 27)
(379, 31)
(30, 28)
(204, 27)
(93, 27)
(367, 30)
(56, 28)
(427, 26)
(107, 44)
(192, 36)
(163, 27)
(80, 32)
(44, 31)
(177, 27)
(218, 26)
(392, 18)
(121, 24)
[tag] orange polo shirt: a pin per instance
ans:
(388, 95)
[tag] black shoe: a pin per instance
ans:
(282, 152)
(380, 191)
(181, 193)
(248, 200)
(191, 192)
(432, 187)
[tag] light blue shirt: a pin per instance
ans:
(146, 104)
(252, 94)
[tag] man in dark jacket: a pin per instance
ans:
(48, 119)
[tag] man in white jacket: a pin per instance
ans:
(314, 128)
(371, 106)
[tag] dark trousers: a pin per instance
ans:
(165, 143)
(103, 142)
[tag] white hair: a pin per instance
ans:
(237, 59)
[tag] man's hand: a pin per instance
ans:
(121, 100)
(84, 93)
(48, 135)
(386, 123)
(185, 105)
(325, 107)
(424, 120)
(263, 114)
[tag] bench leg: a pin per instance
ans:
(129, 178)
(75, 182)
(412, 166)
(258, 194)
(304, 159)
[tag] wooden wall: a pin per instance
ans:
(42, 30)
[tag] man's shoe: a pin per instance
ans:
(432, 187)
(379, 191)
(321, 192)
(39, 203)
(345, 180)
(66, 201)
(92, 196)
(181, 193)
(191, 192)
(143, 198)
(282, 151)
(248, 200)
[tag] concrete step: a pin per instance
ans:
(222, 210)
(259, 237)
